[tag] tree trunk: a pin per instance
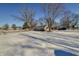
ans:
(49, 25)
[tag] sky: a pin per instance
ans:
(7, 10)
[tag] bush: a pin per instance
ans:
(14, 27)
(25, 25)
(6, 27)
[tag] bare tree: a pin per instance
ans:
(69, 20)
(74, 21)
(66, 20)
(41, 21)
(52, 12)
(27, 15)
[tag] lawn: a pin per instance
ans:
(36, 43)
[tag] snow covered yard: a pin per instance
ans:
(34, 43)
